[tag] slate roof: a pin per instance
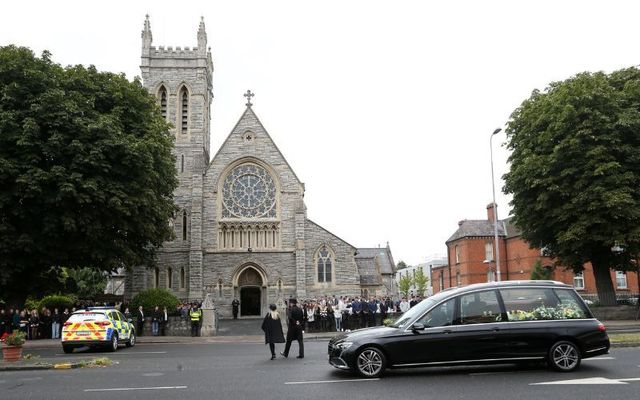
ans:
(380, 256)
(512, 230)
(477, 228)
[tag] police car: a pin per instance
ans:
(97, 327)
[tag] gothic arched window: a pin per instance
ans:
(156, 277)
(169, 278)
(162, 94)
(182, 278)
(184, 110)
(182, 163)
(184, 225)
(324, 264)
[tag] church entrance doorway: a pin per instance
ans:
(250, 301)
(250, 285)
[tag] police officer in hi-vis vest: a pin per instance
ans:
(194, 315)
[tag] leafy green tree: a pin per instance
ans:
(86, 171)
(420, 281)
(401, 265)
(84, 283)
(575, 172)
(150, 298)
(540, 273)
(404, 284)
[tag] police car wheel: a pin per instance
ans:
(113, 346)
(67, 349)
(132, 340)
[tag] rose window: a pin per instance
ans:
(248, 192)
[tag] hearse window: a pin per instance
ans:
(479, 308)
(441, 315)
(570, 298)
(530, 304)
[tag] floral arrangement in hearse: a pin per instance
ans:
(562, 311)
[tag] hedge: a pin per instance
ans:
(56, 301)
(150, 298)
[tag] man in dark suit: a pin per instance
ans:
(296, 325)
(234, 306)
(140, 321)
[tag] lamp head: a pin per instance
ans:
(496, 131)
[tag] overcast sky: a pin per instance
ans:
(383, 109)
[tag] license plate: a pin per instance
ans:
(82, 333)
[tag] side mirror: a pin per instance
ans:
(417, 327)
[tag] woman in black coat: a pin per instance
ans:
(272, 327)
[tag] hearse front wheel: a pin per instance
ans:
(371, 362)
(564, 356)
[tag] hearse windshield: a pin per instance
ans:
(419, 309)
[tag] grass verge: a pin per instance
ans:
(616, 338)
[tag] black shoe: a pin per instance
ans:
(273, 356)
(300, 357)
(284, 355)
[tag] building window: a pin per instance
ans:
(169, 278)
(458, 278)
(324, 265)
(156, 277)
(578, 280)
(488, 251)
(182, 278)
(621, 280)
(441, 281)
(184, 225)
(182, 163)
(220, 288)
(184, 110)
(457, 249)
(163, 101)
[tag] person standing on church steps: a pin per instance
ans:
(272, 327)
(296, 325)
(140, 321)
(234, 305)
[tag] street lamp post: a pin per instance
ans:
(495, 209)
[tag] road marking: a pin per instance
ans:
(333, 381)
(589, 381)
(120, 353)
(153, 374)
(135, 388)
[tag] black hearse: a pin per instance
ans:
(497, 322)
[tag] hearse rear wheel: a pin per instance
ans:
(564, 356)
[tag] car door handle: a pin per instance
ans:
(447, 331)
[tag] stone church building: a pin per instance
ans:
(242, 229)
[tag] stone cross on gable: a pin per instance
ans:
(249, 95)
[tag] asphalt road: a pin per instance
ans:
(244, 371)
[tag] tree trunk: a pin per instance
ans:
(604, 285)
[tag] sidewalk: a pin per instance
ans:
(627, 326)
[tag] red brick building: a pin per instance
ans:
(470, 253)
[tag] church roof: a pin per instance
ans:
(380, 257)
(331, 233)
(247, 115)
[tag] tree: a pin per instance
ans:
(575, 172)
(401, 265)
(86, 171)
(539, 272)
(420, 280)
(84, 283)
(404, 285)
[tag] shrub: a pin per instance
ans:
(150, 298)
(15, 339)
(56, 301)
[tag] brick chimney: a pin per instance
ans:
(491, 209)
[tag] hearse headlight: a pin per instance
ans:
(344, 345)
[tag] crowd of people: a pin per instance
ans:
(333, 313)
(36, 324)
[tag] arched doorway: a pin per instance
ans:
(250, 285)
(250, 301)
